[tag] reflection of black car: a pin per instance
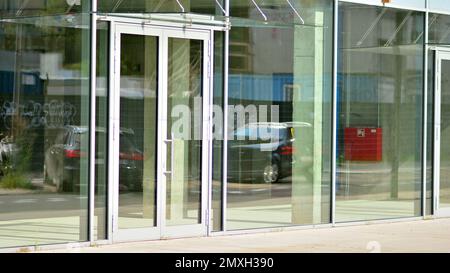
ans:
(261, 152)
(64, 155)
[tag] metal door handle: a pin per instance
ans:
(171, 141)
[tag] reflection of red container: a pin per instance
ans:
(363, 144)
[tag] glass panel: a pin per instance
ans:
(44, 136)
(380, 97)
(439, 29)
(184, 131)
(138, 127)
(212, 7)
(444, 190)
(18, 8)
(279, 144)
(102, 115)
(218, 130)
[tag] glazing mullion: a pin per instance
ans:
(334, 113)
(92, 127)
(437, 132)
(225, 118)
(425, 116)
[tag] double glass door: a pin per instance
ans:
(442, 135)
(160, 155)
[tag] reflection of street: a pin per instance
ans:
(374, 180)
(47, 218)
(255, 191)
(36, 231)
(256, 205)
(31, 206)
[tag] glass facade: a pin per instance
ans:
(272, 76)
(380, 97)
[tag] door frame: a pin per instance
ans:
(206, 34)
(440, 55)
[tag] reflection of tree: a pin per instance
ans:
(19, 160)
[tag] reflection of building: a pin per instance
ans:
(379, 84)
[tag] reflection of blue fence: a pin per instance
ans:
(259, 87)
(30, 83)
(252, 87)
(276, 87)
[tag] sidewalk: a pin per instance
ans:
(415, 236)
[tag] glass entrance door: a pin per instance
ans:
(161, 88)
(442, 140)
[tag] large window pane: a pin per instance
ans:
(138, 131)
(280, 116)
(184, 158)
(380, 92)
(44, 98)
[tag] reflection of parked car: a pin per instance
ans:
(261, 152)
(64, 152)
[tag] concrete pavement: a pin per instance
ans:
(411, 236)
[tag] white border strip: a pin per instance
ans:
(92, 125)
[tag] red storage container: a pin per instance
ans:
(363, 144)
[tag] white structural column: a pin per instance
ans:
(318, 116)
(307, 99)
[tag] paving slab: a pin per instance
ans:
(432, 236)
